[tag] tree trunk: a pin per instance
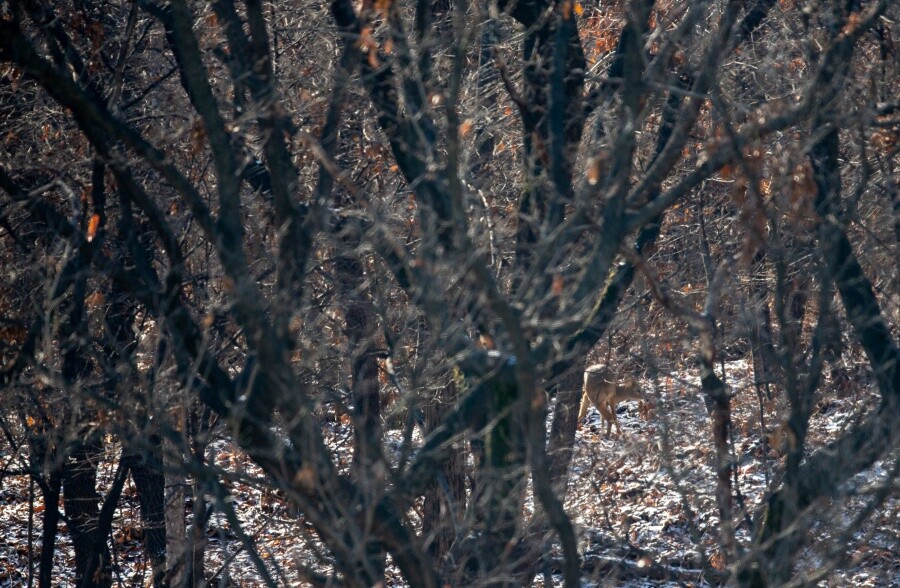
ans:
(50, 523)
(200, 423)
(146, 471)
(82, 504)
(195, 553)
(51, 486)
(764, 361)
(445, 500)
(175, 530)
(499, 487)
(366, 394)
(565, 422)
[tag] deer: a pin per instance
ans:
(605, 391)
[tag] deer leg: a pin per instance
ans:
(582, 410)
(608, 417)
(614, 419)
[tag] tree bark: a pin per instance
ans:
(565, 423)
(50, 483)
(359, 320)
(149, 482)
(82, 502)
(445, 499)
(175, 530)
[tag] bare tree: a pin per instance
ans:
(251, 217)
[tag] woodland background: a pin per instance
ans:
(301, 293)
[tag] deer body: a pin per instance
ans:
(603, 390)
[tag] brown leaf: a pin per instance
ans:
(93, 225)
(558, 284)
(94, 300)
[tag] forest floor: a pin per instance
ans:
(662, 512)
(643, 519)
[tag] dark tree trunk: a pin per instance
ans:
(144, 463)
(499, 486)
(79, 475)
(359, 317)
(195, 555)
(200, 422)
(718, 399)
(82, 504)
(149, 482)
(51, 486)
(445, 500)
(565, 422)
(764, 362)
(50, 522)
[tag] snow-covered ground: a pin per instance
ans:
(637, 513)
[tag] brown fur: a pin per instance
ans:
(602, 389)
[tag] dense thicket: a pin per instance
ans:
(250, 220)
